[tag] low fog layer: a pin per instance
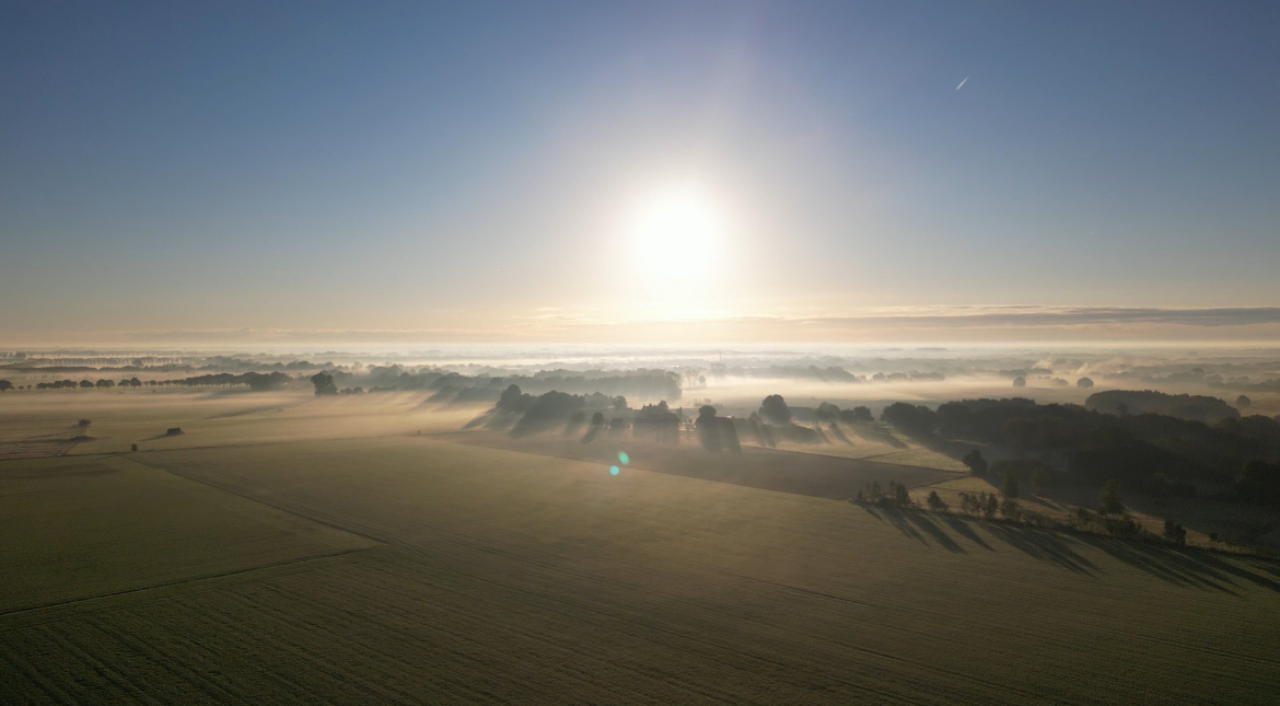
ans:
(728, 377)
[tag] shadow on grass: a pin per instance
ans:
(927, 525)
(1191, 568)
(1045, 545)
(246, 412)
(876, 435)
(946, 447)
(894, 517)
(963, 529)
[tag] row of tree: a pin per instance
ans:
(1156, 453)
(255, 381)
(88, 384)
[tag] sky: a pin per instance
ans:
(490, 172)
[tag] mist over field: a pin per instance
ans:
(660, 353)
(730, 375)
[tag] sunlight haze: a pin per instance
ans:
(654, 352)
(454, 173)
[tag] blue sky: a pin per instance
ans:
(467, 171)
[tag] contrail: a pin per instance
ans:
(966, 78)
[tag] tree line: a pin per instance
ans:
(254, 381)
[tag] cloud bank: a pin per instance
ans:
(942, 324)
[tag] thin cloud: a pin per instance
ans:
(931, 323)
(966, 78)
(1062, 316)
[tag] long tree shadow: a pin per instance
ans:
(1273, 569)
(1165, 564)
(963, 529)
(1188, 567)
(895, 518)
(1041, 544)
(1045, 545)
(877, 435)
(912, 524)
(1193, 566)
(927, 524)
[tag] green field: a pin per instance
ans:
(414, 570)
(818, 474)
(75, 528)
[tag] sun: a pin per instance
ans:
(676, 236)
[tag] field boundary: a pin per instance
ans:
(262, 502)
(180, 582)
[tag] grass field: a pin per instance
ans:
(121, 419)
(463, 574)
(75, 528)
(791, 471)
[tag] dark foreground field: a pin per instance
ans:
(409, 570)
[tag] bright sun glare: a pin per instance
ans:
(676, 235)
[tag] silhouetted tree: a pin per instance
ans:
(513, 401)
(1243, 402)
(576, 420)
(1010, 487)
(774, 409)
(827, 412)
(1019, 381)
(597, 425)
(657, 422)
(104, 384)
(857, 415)
(990, 506)
(728, 435)
(86, 384)
(708, 429)
(1009, 508)
(1204, 408)
(976, 463)
(900, 495)
(324, 384)
(1021, 433)
(1175, 532)
(83, 425)
(936, 503)
(549, 410)
(5, 385)
(260, 382)
(916, 420)
(619, 403)
(1110, 499)
(1084, 383)
(1259, 482)
(1123, 526)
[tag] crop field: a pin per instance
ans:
(790, 471)
(121, 419)
(75, 528)
(418, 570)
